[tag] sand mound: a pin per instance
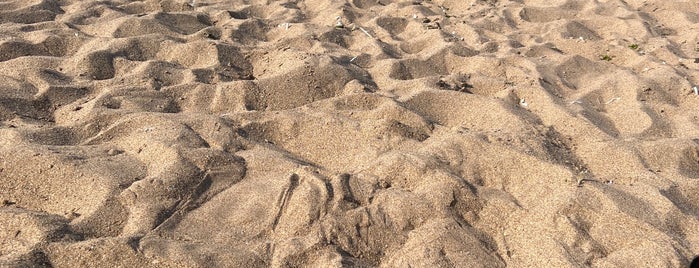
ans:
(366, 133)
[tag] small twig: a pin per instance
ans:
(612, 100)
(581, 178)
(696, 90)
(365, 32)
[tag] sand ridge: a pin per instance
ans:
(349, 133)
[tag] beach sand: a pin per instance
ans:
(349, 133)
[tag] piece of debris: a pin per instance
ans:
(338, 23)
(581, 178)
(365, 32)
(458, 83)
(113, 152)
(523, 103)
(456, 37)
(612, 100)
(433, 25)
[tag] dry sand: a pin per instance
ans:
(406, 133)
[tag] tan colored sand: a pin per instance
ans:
(443, 133)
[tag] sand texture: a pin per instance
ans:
(349, 133)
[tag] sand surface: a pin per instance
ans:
(349, 133)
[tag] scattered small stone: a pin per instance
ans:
(113, 152)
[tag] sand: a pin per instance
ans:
(349, 133)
